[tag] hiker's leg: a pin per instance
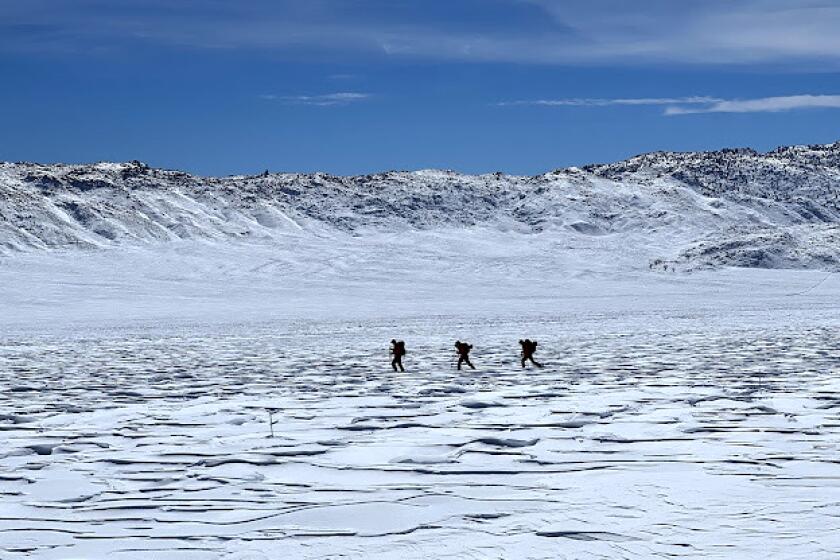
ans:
(460, 360)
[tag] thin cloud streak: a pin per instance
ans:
(695, 104)
(325, 100)
(600, 102)
(762, 105)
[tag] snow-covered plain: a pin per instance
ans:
(683, 410)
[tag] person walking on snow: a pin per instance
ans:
(463, 353)
(397, 351)
(528, 349)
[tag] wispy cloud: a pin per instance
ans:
(601, 102)
(695, 104)
(577, 32)
(701, 31)
(343, 76)
(325, 100)
(762, 105)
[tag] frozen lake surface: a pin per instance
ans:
(152, 321)
(687, 416)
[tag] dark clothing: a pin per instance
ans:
(463, 353)
(528, 349)
(524, 359)
(398, 351)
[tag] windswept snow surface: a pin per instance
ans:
(151, 326)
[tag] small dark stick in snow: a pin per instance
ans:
(271, 412)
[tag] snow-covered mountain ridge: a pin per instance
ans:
(730, 207)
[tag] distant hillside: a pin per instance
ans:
(707, 209)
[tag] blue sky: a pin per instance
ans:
(357, 86)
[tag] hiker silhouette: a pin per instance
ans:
(528, 348)
(397, 351)
(463, 353)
